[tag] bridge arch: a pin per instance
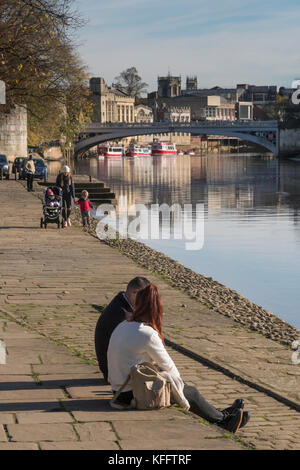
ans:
(249, 133)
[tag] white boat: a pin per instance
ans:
(138, 151)
(163, 148)
(109, 150)
(180, 153)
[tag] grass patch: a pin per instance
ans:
(35, 376)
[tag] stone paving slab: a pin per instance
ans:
(41, 432)
(169, 434)
(30, 394)
(44, 417)
(80, 445)
(194, 443)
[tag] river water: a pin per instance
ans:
(251, 217)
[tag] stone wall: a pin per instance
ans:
(13, 132)
(289, 142)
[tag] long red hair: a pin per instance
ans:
(148, 308)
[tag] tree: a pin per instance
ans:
(40, 65)
(276, 110)
(131, 83)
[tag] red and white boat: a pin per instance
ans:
(108, 150)
(138, 151)
(164, 148)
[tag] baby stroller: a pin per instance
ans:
(52, 206)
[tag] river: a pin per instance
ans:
(251, 217)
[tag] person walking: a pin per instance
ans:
(85, 206)
(139, 339)
(64, 180)
(30, 170)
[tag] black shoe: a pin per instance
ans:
(245, 419)
(232, 422)
(238, 403)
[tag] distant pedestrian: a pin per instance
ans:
(30, 170)
(64, 180)
(85, 206)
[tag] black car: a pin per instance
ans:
(41, 170)
(4, 166)
(17, 165)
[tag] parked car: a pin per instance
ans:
(17, 164)
(41, 170)
(4, 166)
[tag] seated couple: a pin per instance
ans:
(129, 332)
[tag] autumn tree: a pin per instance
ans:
(131, 83)
(40, 65)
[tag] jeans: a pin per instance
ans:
(85, 216)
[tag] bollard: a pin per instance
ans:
(2, 352)
(90, 179)
(16, 176)
(1, 174)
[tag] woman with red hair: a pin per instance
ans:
(139, 339)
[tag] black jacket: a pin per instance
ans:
(63, 182)
(110, 318)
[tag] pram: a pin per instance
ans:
(52, 206)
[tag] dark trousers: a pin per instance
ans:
(29, 181)
(198, 404)
(66, 203)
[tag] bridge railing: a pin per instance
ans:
(165, 124)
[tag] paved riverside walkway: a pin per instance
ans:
(53, 284)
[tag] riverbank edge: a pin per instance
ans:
(210, 293)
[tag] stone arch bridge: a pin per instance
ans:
(263, 133)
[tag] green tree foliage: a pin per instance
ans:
(131, 83)
(41, 68)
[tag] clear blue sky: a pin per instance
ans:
(222, 42)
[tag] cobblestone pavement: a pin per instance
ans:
(56, 282)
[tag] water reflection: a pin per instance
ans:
(252, 207)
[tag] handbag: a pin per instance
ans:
(150, 390)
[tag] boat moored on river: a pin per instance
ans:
(109, 150)
(138, 151)
(163, 148)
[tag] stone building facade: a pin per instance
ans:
(143, 113)
(110, 104)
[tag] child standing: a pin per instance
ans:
(85, 206)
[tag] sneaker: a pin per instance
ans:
(69, 222)
(65, 223)
(232, 422)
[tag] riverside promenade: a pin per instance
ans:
(53, 286)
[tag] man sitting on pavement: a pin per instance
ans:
(117, 311)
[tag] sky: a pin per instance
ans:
(221, 42)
